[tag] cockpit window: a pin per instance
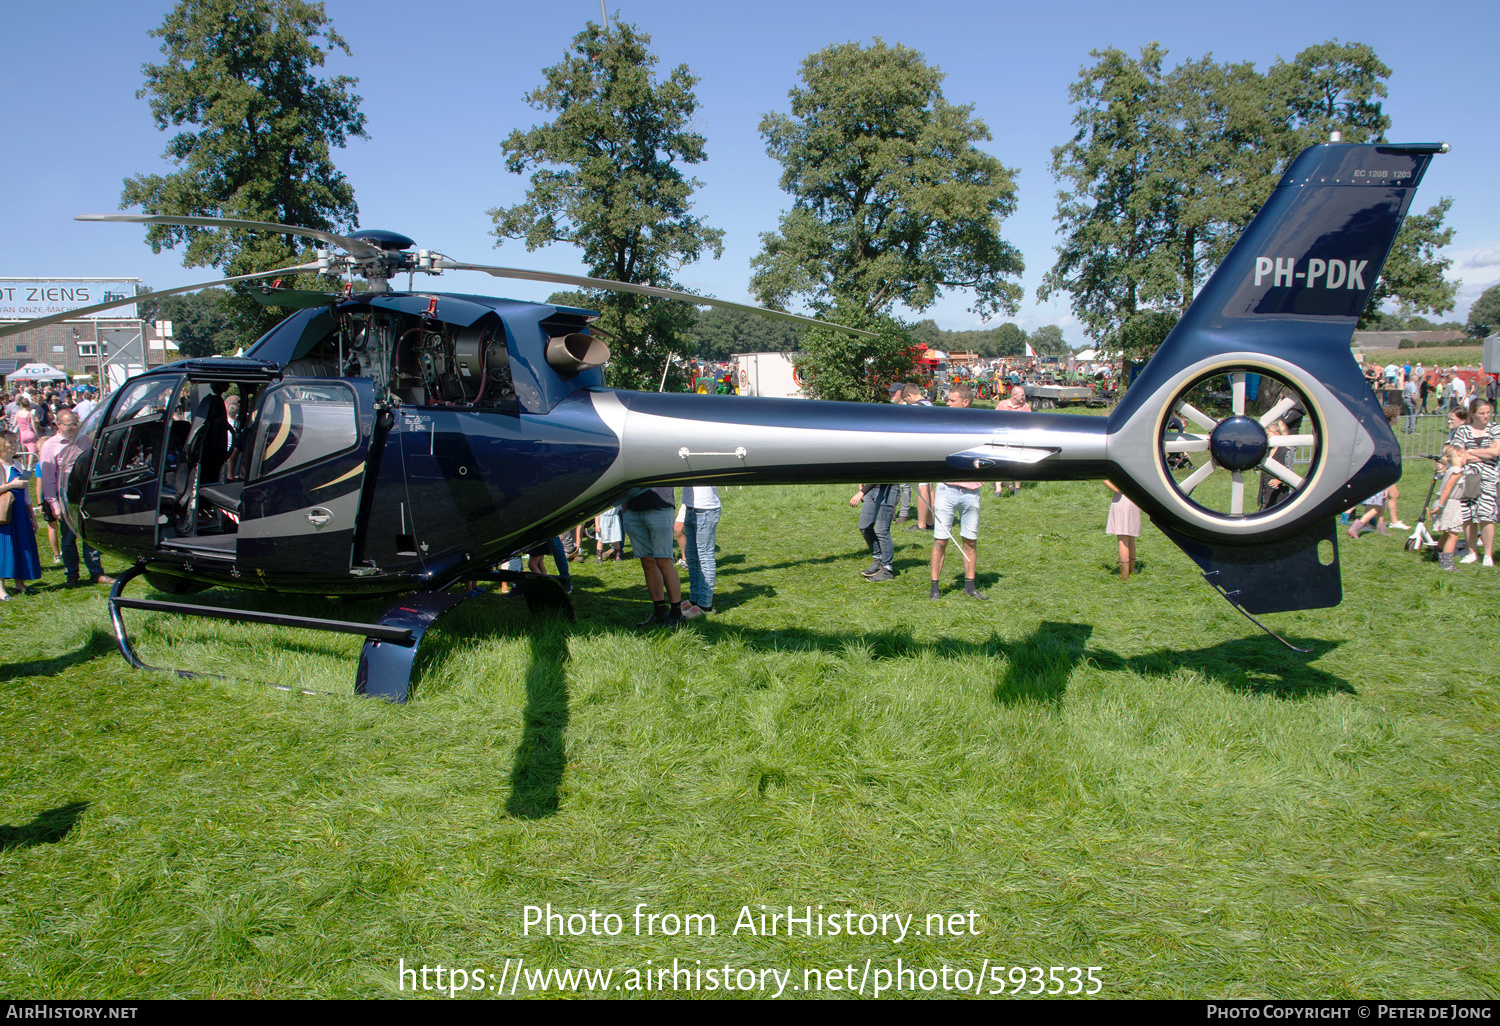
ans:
(301, 424)
(131, 443)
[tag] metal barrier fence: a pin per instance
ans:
(1429, 432)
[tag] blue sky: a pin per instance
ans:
(443, 87)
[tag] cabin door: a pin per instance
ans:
(300, 508)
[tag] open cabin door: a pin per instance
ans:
(299, 509)
(121, 508)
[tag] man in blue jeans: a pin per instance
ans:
(877, 504)
(701, 528)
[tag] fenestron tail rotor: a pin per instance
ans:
(1233, 441)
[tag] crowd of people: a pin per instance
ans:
(38, 429)
(1466, 487)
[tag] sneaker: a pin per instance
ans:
(657, 618)
(934, 592)
(1488, 561)
(981, 596)
(104, 579)
(682, 563)
(884, 575)
(1398, 525)
(57, 561)
(690, 611)
(1470, 557)
(873, 569)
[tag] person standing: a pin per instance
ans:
(956, 500)
(912, 395)
(877, 504)
(700, 531)
(648, 522)
(1016, 403)
(18, 555)
(59, 453)
(1125, 524)
(1480, 514)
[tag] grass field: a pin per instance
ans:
(1435, 356)
(1079, 772)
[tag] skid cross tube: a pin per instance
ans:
(371, 631)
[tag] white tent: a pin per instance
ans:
(36, 372)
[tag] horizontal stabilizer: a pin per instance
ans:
(1277, 577)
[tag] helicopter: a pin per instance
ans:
(399, 443)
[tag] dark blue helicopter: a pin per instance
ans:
(396, 443)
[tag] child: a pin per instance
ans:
(18, 554)
(607, 532)
(1125, 524)
(1447, 515)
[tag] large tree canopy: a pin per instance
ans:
(1167, 168)
(893, 202)
(605, 178)
(259, 127)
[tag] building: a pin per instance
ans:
(79, 346)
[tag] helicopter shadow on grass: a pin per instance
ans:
(99, 643)
(1037, 670)
(47, 827)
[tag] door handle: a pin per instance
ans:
(132, 496)
(318, 516)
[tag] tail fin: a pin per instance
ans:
(1282, 306)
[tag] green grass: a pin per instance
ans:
(1433, 356)
(1117, 774)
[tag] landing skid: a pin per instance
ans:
(391, 642)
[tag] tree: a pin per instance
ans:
(605, 178)
(892, 200)
(1331, 87)
(1166, 170)
(1484, 315)
(1048, 341)
(201, 321)
(1112, 261)
(261, 125)
(837, 365)
(1010, 340)
(721, 333)
(1413, 273)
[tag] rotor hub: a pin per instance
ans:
(1238, 443)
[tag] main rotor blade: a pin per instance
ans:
(358, 247)
(643, 290)
(69, 315)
